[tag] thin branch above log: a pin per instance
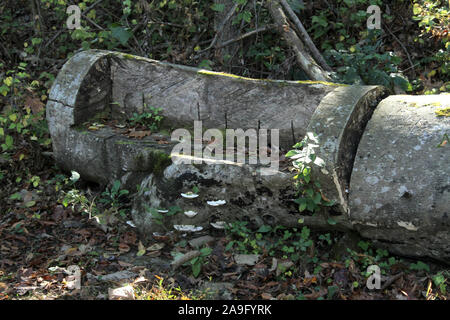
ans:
(305, 37)
(245, 35)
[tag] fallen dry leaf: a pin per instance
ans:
(156, 247)
(141, 249)
(139, 134)
(266, 296)
(129, 238)
(124, 264)
(35, 104)
(123, 248)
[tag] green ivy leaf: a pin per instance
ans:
(320, 20)
(196, 269)
(291, 153)
(302, 206)
(8, 81)
(9, 142)
(264, 229)
(419, 266)
(16, 196)
(317, 198)
(173, 211)
(116, 186)
(331, 221)
(121, 34)
(4, 90)
(205, 251)
(296, 5)
(218, 7)
(247, 16)
(29, 204)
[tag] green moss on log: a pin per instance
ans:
(444, 112)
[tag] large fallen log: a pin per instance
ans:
(387, 173)
(400, 183)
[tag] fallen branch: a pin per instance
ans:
(305, 37)
(391, 280)
(184, 258)
(306, 62)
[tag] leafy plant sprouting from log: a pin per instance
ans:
(112, 196)
(160, 216)
(309, 194)
(150, 118)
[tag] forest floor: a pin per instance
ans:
(43, 235)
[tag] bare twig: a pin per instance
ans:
(403, 47)
(53, 38)
(92, 6)
(245, 35)
(391, 280)
(35, 59)
(404, 70)
(141, 50)
(191, 47)
(184, 258)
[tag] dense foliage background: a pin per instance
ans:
(414, 40)
(411, 53)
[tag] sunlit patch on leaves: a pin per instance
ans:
(304, 158)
